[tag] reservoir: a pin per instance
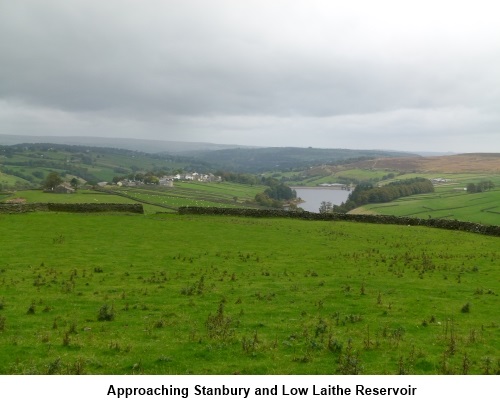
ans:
(313, 196)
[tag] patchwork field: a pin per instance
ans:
(185, 294)
(449, 201)
(154, 198)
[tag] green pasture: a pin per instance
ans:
(174, 294)
(454, 179)
(10, 180)
(169, 199)
(155, 198)
(364, 175)
(82, 196)
(449, 200)
(191, 194)
(482, 208)
(223, 190)
(318, 176)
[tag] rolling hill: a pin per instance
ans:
(461, 163)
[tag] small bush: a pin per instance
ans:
(106, 313)
(466, 308)
(66, 339)
(219, 326)
(349, 362)
(31, 309)
(54, 366)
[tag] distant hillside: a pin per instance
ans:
(258, 160)
(462, 163)
(141, 145)
(31, 162)
(241, 159)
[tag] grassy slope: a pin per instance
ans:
(10, 180)
(82, 196)
(155, 199)
(295, 294)
(102, 164)
(448, 201)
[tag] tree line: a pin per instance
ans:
(367, 193)
(276, 193)
(480, 187)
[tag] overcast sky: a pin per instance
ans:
(413, 75)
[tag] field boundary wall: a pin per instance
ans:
(373, 219)
(76, 207)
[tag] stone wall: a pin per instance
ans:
(80, 208)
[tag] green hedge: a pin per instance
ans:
(81, 208)
(374, 219)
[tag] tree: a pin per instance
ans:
(139, 177)
(480, 187)
(325, 207)
(150, 179)
(471, 188)
(74, 183)
(52, 180)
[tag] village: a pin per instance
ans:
(166, 181)
(139, 179)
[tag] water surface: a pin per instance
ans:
(314, 196)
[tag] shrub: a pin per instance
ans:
(466, 308)
(219, 325)
(106, 313)
(31, 309)
(349, 362)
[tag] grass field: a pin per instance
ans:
(7, 180)
(171, 294)
(196, 194)
(449, 201)
(82, 196)
(154, 198)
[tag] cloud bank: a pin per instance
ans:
(359, 74)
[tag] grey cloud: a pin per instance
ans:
(262, 70)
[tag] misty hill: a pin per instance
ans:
(141, 145)
(257, 160)
(211, 156)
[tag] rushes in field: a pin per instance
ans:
(219, 326)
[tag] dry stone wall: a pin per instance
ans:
(374, 219)
(80, 208)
